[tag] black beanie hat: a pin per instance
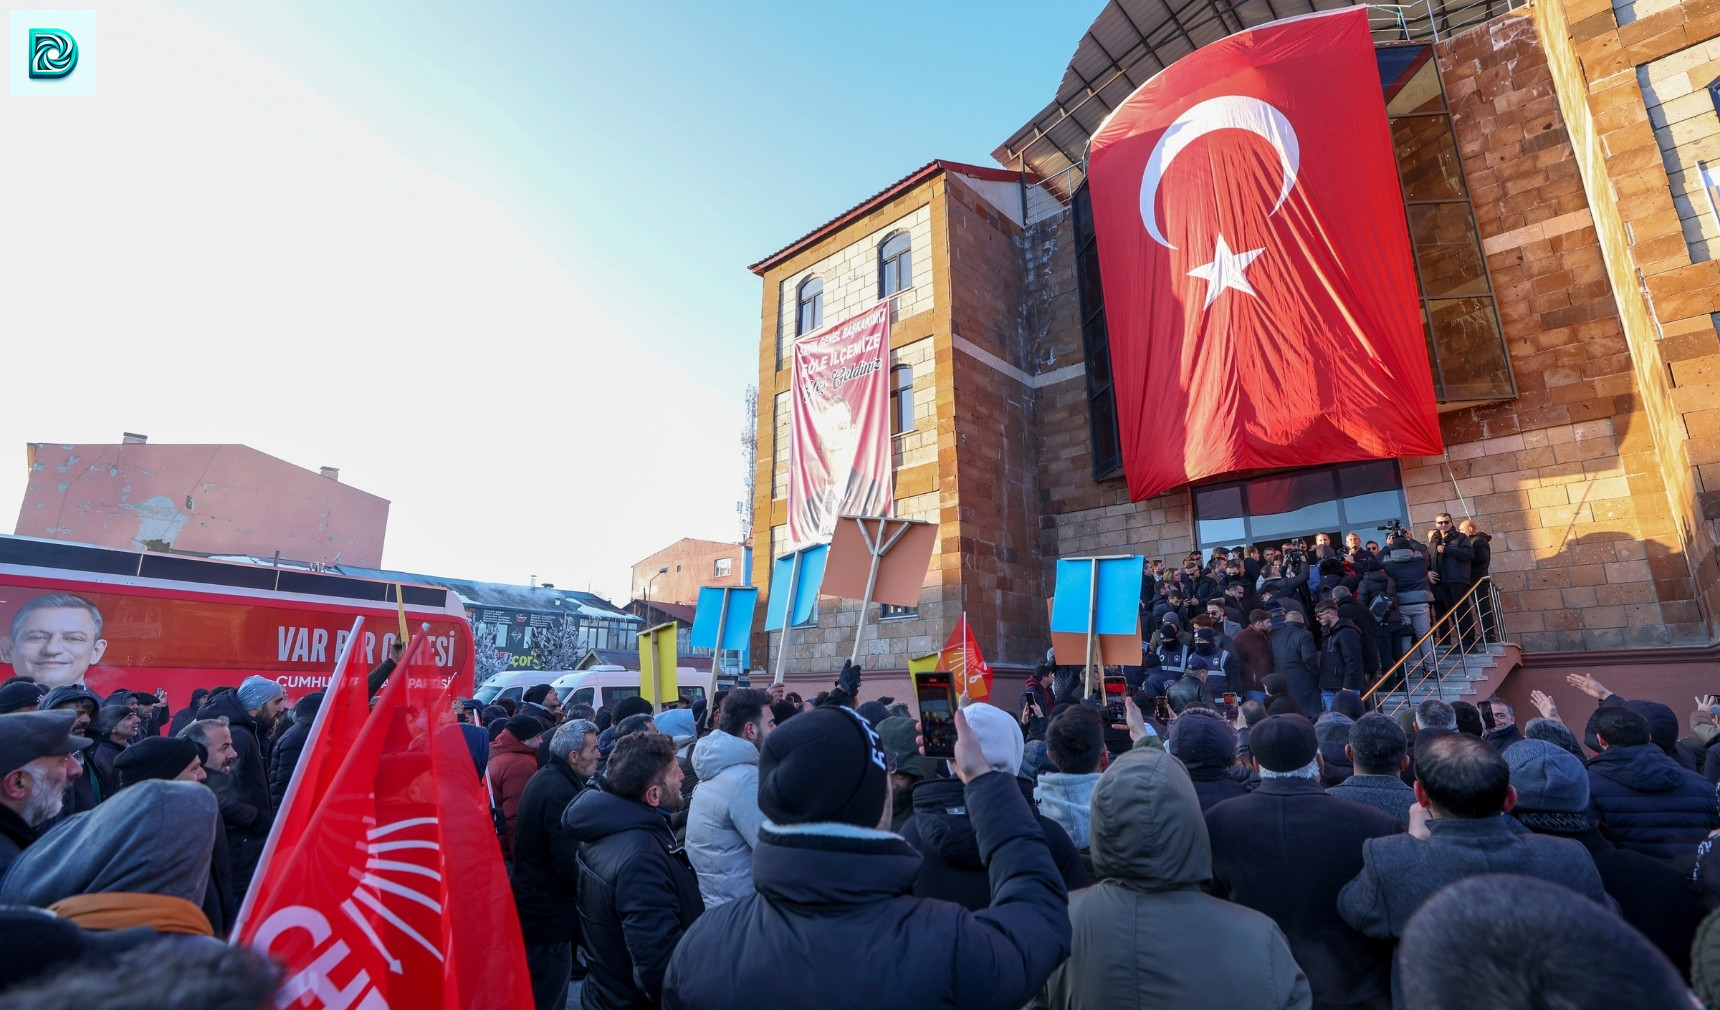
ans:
(823, 765)
(154, 757)
(1282, 743)
(524, 727)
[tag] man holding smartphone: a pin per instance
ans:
(1036, 703)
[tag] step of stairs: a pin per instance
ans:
(1460, 676)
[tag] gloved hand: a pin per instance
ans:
(849, 679)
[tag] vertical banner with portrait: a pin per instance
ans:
(839, 428)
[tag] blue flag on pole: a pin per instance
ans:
(1119, 595)
(737, 629)
(805, 586)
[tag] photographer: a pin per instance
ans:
(1036, 703)
(1448, 565)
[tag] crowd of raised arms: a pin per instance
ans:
(1287, 847)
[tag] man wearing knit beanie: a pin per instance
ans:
(257, 692)
(160, 757)
(834, 888)
(1553, 799)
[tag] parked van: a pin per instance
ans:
(598, 686)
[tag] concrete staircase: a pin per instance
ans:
(1461, 677)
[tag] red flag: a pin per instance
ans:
(1259, 289)
(968, 668)
(393, 894)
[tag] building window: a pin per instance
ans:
(1465, 345)
(721, 569)
(891, 612)
(809, 306)
(1342, 499)
(901, 399)
(895, 265)
(1095, 345)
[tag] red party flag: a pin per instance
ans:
(968, 668)
(1254, 255)
(393, 893)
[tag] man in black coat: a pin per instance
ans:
(1287, 849)
(1297, 660)
(833, 914)
(291, 745)
(246, 779)
(1449, 553)
(1647, 802)
(546, 862)
(1553, 799)
(1036, 703)
(637, 892)
(1341, 662)
(1350, 610)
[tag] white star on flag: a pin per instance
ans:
(1225, 271)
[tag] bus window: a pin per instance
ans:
(583, 696)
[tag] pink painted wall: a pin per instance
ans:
(204, 499)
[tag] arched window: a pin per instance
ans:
(809, 306)
(895, 265)
(901, 399)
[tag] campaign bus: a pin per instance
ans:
(112, 619)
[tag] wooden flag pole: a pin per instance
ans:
(787, 617)
(877, 548)
(1092, 626)
(717, 652)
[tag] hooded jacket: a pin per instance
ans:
(834, 911)
(285, 759)
(512, 765)
(1648, 803)
(153, 838)
(1286, 850)
(952, 868)
(637, 896)
(546, 857)
(1298, 662)
(1206, 747)
(1141, 932)
(1068, 800)
(723, 819)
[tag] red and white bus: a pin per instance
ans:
(116, 619)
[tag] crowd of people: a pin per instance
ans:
(770, 849)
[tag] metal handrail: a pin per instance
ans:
(1446, 633)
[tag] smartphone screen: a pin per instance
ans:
(937, 698)
(1230, 700)
(1162, 709)
(1116, 688)
(1487, 718)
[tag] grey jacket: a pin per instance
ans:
(1140, 928)
(1401, 872)
(723, 819)
(1068, 800)
(1382, 792)
(152, 838)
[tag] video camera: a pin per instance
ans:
(1393, 529)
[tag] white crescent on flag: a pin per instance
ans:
(1230, 112)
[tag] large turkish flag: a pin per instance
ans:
(1256, 264)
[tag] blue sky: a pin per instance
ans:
(522, 226)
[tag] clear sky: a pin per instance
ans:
(487, 258)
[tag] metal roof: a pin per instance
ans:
(1132, 40)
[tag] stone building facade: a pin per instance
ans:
(1589, 448)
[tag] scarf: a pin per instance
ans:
(124, 909)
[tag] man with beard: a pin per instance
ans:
(637, 893)
(83, 704)
(37, 759)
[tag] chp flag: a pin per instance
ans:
(391, 894)
(967, 666)
(1255, 261)
(839, 426)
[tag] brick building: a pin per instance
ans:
(199, 499)
(1552, 159)
(691, 563)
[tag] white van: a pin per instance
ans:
(599, 686)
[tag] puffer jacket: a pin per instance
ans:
(834, 910)
(1206, 747)
(1649, 804)
(637, 896)
(1341, 659)
(952, 868)
(1140, 928)
(512, 765)
(723, 819)
(1068, 800)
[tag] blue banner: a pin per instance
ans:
(805, 586)
(737, 627)
(1119, 607)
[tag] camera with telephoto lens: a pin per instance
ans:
(1393, 528)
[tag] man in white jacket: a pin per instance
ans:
(723, 821)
